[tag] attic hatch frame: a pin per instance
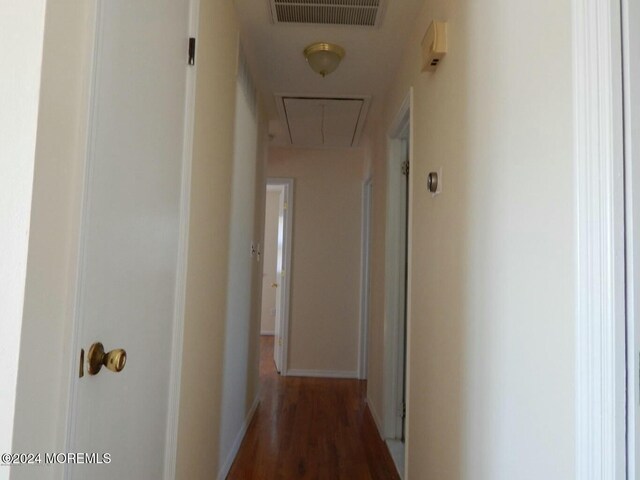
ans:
(346, 13)
(362, 119)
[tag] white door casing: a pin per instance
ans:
(279, 334)
(631, 73)
(399, 138)
(365, 280)
(131, 235)
(600, 309)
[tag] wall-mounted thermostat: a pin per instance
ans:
(434, 46)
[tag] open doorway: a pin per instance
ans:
(274, 318)
(269, 261)
(397, 286)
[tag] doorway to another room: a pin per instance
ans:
(274, 320)
(397, 287)
(127, 296)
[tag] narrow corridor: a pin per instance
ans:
(310, 428)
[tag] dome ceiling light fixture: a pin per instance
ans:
(324, 58)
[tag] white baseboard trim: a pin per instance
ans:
(224, 471)
(397, 451)
(321, 373)
(267, 332)
(376, 419)
(391, 444)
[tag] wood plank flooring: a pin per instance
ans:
(311, 428)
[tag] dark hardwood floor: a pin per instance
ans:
(311, 428)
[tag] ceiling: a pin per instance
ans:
(274, 53)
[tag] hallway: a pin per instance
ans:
(450, 261)
(310, 428)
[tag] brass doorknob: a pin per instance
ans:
(274, 285)
(115, 360)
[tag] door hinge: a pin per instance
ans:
(81, 368)
(404, 410)
(192, 51)
(405, 168)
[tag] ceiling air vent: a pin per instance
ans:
(362, 13)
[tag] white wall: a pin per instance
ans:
(491, 374)
(207, 266)
(326, 246)
(269, 261)
(220, 377)
(21, 40)
(240, 294)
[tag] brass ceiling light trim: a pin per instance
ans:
(324, 57)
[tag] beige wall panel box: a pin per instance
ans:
(434, 46)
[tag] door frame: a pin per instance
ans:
(631, 91)
(601, 365)
(287, 185)
(171, 448)
(170, 454)
(393, 262)
(365, 277)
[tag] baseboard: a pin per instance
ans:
(268, 332)
(321, 373)
(397, 451)
(375, 417)
(224, 471)
(399, 463)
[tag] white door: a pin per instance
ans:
(278, 338)
(130, 235)
(269, 258)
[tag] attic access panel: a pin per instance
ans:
(362, 13)
(324, 122)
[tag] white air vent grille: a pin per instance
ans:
(364, 13)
